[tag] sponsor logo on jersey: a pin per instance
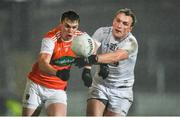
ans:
(63, 61)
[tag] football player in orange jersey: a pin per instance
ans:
(47, 81)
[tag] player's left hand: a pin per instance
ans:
(86, 77)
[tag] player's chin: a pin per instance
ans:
(118, 35)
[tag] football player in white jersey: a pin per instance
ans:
(111, 92)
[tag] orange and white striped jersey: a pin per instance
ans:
(62, 57)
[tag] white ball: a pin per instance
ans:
(83, 45)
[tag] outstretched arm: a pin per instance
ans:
(112, 57)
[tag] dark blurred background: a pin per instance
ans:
(156, 91)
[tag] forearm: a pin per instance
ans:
(47, 68)
(44, 64)
(112, 57)
(102, 58)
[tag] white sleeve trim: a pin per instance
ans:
(47, 46)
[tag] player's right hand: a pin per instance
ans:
(63, 74)
(83, 61)
(86, 77)
(79, 62)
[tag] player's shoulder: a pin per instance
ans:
(132, 38)
(105, 30)
(53, 34)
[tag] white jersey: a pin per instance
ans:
(120, 73)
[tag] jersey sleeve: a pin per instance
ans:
(47, 46)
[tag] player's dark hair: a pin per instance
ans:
(128, 12)
(71, 15)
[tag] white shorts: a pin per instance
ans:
(119, 100)
(35, 95)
